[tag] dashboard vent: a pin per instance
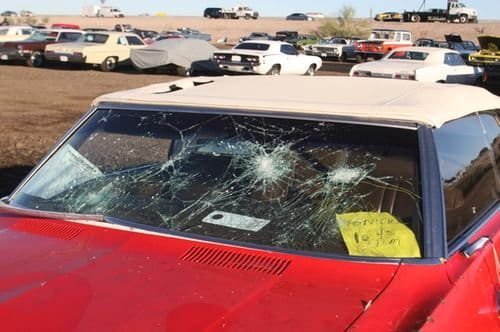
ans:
(235, 260)
(66, 231)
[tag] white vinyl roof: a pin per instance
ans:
(369, 99)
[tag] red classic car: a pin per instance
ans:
(32, 50)
(381, 42)
(187, 206)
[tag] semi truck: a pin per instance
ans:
(455, 12)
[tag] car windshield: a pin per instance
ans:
(286, 183)
(43, 35)
(386, 35)
(408, 55)
(252, 46)
(97, 38)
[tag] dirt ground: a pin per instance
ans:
(37, 106)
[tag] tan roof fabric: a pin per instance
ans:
(364, 98)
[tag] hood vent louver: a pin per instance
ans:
(61, 231)
(235, 260)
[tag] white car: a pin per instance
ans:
(338, 48)
(424, 64)
(15, 33)
(267, 58)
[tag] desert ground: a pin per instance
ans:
(37, 106)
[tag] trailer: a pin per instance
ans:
(101, 11)
(455, 12)
(239, 11)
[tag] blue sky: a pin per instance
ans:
(488, 9)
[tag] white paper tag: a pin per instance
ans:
(63, 58)
(237, 221)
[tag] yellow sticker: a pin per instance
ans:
(377, 234)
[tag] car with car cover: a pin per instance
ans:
(267, 58)
(424, 64)
(32, 50)
(106, 50)
(188, 206)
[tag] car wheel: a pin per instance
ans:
(311, 71)
(247, 16)
(343, 57)
(109, 64)
(35, 60)
(275, 70)
(183, 71)
(463, 19)
(415, 18)
(359, 58)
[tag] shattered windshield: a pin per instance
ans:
(287, 183)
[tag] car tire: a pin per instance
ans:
(247, 16)
(184, 72)
(311, 71)
(275, 70)
(415, 18)
(109, 64)
(463, 19)
(35, 60)
(343, 57)
(359, 58)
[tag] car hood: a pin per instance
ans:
(391, 66)
(80, 276)
(490, 43)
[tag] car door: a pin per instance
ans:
(468, 152)
(294, 63)
(458, 71)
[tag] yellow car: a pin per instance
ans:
(389, 17)
(105, 49)
(489, 53)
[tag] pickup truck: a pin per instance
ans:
(239, 11)
(32, 50)
(380, 42)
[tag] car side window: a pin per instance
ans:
(26, 32)
(69, 36)
(406, 36)
(453, 59)
(491, 123)
(467, 173)
(134, 40)
(122, 41)
(288, 49)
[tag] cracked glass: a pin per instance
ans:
(284, 183)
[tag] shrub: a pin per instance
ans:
(345, 25)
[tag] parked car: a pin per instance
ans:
(9, 13)
(489, 53)
(32, 50)
(185, 33)
(380, 42)
(338, 48)
(183, 57)
(148, 36)
(26, 13)
(306, 39)
(389, 17)
(299, 17)
(106, 50)
(424, 64)
(267, 58)
(287, 36)
(464, 47)
(213, 12)
(257, 36)
(204, 204)
(14, 33)
(65, 26)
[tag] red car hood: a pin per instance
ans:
(59, 276)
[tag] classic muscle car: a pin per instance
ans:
(380, 42)
(262, 204)
(424, 64)
(267, 58)
(337, 48)
(32, 50)
(103, 49)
